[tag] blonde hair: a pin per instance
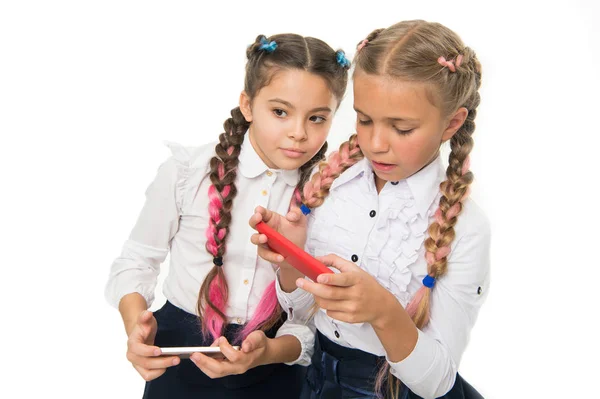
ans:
(412, 51)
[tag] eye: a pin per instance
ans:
(364, 122)
(404, 132)
(317, 119)
(280, 113)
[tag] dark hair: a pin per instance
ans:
(266, 56)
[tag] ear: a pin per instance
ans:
(245, 106)
(454, 123)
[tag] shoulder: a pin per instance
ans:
(192, 157)
(472, 220)
(470, 254)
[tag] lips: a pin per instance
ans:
(383, 163)
(293, 152)
(383, 167)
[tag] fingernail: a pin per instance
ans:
(280, 258)
(157, 352)
(322, 279)
(175, 361)
(300, 283)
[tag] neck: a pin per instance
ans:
(379, 182)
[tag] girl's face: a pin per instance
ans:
(399, 129)
(291, 118)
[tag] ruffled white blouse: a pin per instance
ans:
(384, 234)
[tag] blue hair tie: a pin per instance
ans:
(429, 281)
(341, 59)
(305, 210)
(266, 46)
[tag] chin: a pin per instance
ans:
(291, 164)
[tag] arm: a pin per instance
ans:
(430, 368)
(425, 361)
(303, 336)
(137, 268)
(133, 275)
(292, 345)
(130, 307)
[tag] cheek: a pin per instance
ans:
(318, 134)
(414, 151)
(361, 136)
(267, 129)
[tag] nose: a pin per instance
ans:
(379, 142)
(298, 130)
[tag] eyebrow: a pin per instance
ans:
(287, 104)
(393, 119)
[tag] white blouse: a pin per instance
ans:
(384, 234)
(175, 217)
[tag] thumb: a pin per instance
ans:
(265, 213)
(341, 264)
(296, 216)
(293, 215)
(255, 340)
(145, 322)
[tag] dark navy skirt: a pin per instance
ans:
(176, 327)
(338, 372)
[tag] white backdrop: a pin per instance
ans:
(90, 89)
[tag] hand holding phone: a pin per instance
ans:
(184, 352)
(292, 254)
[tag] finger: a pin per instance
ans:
(322, 290)
(145, 317)
(269, 255)
(332, 305)
(341, 264)
(294, 215)
(219, 369)
(255, 340)
(149, 375)
(258, 239)
(247, 346)
(338, 279)
(227, 350)
(266, 214)
(153, 363)
(145, 323)
(255, 219)
(344, 316)
(211, 367)
(136, 346)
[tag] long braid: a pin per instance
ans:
(455, 190)
(305, 172)
(267, 56)
(212, 300)
(268, 312)
(316, 190)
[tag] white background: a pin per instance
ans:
(90, 89)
